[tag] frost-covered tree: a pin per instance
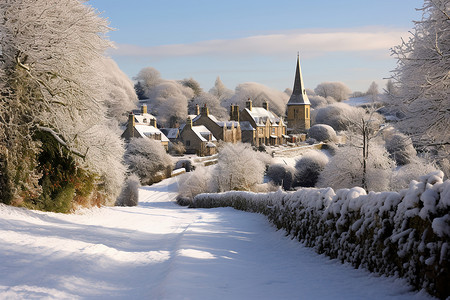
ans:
(148, 78)
(422, 77)
(147, 159)
(372, 91)
(338, 115)
(239, 167)
(193, 85)
(220, 90)
(345, 169)
(52, 112)
(309, 167)
(391, 89)
(168, 100)
(417, 167)
(338, 90)
(213, 104)
(258, 93)
(119, 96)
(130, 193)
(197, 182)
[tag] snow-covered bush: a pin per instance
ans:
(239, 167)
(338, 115)
(345, 169)
(281, 175)
(308, 168)
(148, 159)
(322, 133)
(130, 192)
(403, 175)
(337, 90)
(400, 147)
(405, 233)
(197, 182)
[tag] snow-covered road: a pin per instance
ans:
(159, 250)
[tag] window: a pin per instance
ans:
(273, 131)
(307, 112)
(188, 143)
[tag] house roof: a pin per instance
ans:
(203, 133)
(228, 124)
(261, 115)
(149, 131)
(171, 133)
(140, 118)
(213, 118)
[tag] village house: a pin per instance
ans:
(197, 139)
(227, 131)
(259, 125)
(143, 125)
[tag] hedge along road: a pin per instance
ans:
(159, 250)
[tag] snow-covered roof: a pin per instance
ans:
(203, 133)
(150, 131)
(228, 124)
(213, 118)
(260, 115)
(171, 133)
(143, 118)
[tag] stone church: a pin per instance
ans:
(298, 108)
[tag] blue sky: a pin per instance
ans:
(257, 41)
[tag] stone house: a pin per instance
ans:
(197, 139)
(259, 125)
(227, 131)
(143, 125)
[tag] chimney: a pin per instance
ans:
(189, 122)
(236, 113)
(197, 109)
(153, 123)
(248, 104)
(266, 105)
(231, 112)
(130, 125)
(144, 108)
(205, 111)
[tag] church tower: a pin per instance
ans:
(298, 107)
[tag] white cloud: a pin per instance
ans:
(311, 44)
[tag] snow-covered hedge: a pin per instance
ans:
(404, 233)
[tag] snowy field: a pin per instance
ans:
(159, 250)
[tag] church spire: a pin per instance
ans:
(299, 93)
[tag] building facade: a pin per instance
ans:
(259, 125)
